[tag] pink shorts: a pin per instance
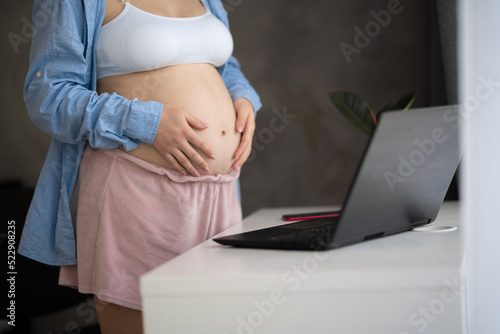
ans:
(133, 216)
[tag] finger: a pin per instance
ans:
(244, 112)
(196, 123)
(242, 159)
(246, 139)
(175, 164)
(241, 121)
(241, 148)
(200, 144)
(196, 159)
(241, 156)
(186, 163)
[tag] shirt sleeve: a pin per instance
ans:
(58, 93)
(236, 82)
(238, 85)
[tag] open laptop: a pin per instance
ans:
(401, 182)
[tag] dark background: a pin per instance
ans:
(290, 51)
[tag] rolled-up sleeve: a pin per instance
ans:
(57, 88)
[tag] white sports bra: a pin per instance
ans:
(137, 41)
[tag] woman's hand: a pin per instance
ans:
(176, 141)
(245, 124)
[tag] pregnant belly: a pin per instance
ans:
(198, 89)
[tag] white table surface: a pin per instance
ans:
(402, 284)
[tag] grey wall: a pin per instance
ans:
(289, 50)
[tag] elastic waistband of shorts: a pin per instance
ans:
(160, 170)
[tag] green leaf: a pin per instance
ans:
(404, 103)
(389, 106)
(360, 114)
(355, 109)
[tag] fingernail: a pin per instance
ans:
(240, 128)
(196, 174)
(206, 169)
(237, 168)
(205, 125)
(237, 157)
(212, 156)
(183, 172)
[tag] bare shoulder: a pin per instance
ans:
(113, 9)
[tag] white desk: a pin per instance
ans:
(402, 284)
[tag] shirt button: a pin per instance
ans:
(61, 191)
(38, 74)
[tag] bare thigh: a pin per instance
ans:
(116, 319)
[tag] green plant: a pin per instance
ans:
(361, 114)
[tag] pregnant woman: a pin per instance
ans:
(151, 120)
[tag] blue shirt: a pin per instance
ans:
(61, 98)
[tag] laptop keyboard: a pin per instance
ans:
(321, 229)
(308, 234)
